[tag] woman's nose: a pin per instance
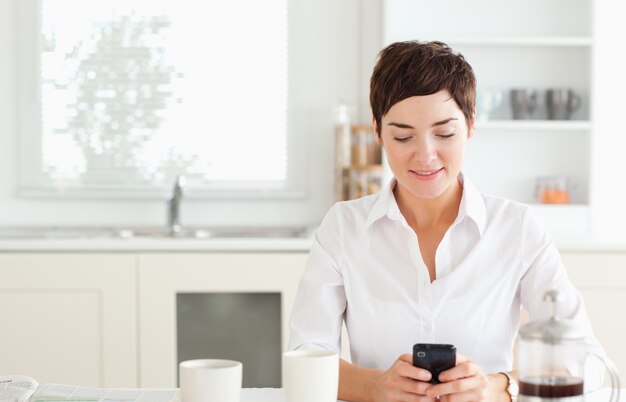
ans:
(425, 152)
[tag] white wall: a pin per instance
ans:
(333, 46)
(371, 42)
(608, 169)
(327, 60)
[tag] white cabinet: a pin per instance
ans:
(163, 276)
(536, 45)
(110, 319)
(601, 278)
(69, 318)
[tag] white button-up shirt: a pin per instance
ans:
(365, 267)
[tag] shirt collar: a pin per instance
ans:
(472, 205)
(385, 205)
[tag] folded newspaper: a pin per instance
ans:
(21, 388)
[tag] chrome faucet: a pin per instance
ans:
(173, 206)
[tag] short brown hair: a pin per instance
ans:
(413, 68)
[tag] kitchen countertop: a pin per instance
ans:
(299, 244)
(157, 245)
(191, 245)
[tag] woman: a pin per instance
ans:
(429, 259)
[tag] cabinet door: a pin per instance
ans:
(164, 276)
(601, 278)
(69, 318)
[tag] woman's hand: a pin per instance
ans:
(402, 382)
(467, 382)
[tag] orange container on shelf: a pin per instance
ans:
(554, 190)
(554, 197)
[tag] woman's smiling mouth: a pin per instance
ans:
(425, 174)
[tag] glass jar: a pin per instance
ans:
(342, 150)
(365, 181)
(360, 140)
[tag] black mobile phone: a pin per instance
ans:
(434, 358)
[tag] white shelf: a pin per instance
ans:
(568, 41)
(565, 219)
(519, 45)
(572, 208)
(560, 125)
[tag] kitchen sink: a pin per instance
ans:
(60, 233)
(216, 232)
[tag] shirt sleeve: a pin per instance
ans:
(545, 271)
(318, 312)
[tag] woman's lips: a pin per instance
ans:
(426, 174)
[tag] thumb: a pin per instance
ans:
(462, 359)
(407, 358)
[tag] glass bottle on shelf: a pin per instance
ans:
(359, 146)
(358, 158)
(365, 150)
(342, 150)
(365, 180)
(366, 170)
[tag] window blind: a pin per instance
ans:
(132, 93)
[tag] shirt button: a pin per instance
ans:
(428, 327)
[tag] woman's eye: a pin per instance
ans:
(402, 139)
(446, 135)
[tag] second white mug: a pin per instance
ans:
(210, 380)
(311, 375)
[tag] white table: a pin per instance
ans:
(278, 395)
(263, 395)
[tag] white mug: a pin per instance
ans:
(210, 380)
(311, 375)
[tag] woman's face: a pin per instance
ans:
(424, 138)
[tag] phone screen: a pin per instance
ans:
(435, 358)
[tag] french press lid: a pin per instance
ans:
(554, 329)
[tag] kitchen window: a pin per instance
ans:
(117, 98)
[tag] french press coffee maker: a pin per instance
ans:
(552, 358)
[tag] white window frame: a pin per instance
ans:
(29, 123)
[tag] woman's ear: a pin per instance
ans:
(377, 136)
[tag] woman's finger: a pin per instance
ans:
(398, 383)
(415, 387)
(456, 386)
(461, 370)
(462, 359)
(406, 369)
